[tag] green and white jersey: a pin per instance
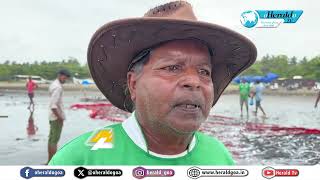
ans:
(124, 144)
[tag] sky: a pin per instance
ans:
(55, 30)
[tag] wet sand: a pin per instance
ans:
(17, 148)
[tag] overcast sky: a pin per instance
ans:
(55, 29)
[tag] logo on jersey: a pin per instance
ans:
(101, 139)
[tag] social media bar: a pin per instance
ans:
(160, 172)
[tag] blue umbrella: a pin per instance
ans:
(258, 78)
(266, 79)
(271, 76)
(86, 82)
(236, 80)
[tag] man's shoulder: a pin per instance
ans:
(211, 143)
(52, 85)
(203, 138)
(55, 84)
(82, 139)
(214, 147)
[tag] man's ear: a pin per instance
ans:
(131, 83)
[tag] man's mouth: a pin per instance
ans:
(189, 105)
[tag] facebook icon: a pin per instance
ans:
(26, 172)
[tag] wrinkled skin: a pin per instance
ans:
(173, 94)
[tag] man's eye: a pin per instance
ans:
(204, 72)
(172, 68)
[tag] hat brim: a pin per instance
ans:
(114, 45)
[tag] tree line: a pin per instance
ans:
(282, 65)
(286, 67)
(47, 70)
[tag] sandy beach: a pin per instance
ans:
(19, 86)
(247, 147)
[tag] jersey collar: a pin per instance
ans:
(133, 130)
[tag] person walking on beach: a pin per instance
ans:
(244, 89)
(318, 98)
(258, 95)
(31, 86)
(56, 112)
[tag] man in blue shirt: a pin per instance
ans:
(258, 94)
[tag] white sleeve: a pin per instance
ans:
(55, 96)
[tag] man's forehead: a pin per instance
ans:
(182, 49)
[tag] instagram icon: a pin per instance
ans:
(139, 172)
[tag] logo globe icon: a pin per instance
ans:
(249, 19)
(194, 172)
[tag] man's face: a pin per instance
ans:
(175, 87)
(62, 78)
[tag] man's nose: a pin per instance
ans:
(190, 80)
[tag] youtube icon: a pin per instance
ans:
(268, 172)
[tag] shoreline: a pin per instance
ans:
(8, 87)
(233, 89)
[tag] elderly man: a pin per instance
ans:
(168, 69)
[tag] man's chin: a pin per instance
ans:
(187, 128)
(186, 131)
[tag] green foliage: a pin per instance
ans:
(44, 69)
(286, 67)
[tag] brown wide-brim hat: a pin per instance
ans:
(113, 47)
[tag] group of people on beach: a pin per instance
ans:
(250, 94)
(254, 91)
(247, 95)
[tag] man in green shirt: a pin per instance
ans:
(244, 89)
(168, 69)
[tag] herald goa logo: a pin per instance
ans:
(101, 139)
(270, 172)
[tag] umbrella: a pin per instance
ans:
(269, 77)
(86, 82)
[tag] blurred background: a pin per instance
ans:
(39, 37)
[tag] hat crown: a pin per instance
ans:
(113, 47)
(173, 10)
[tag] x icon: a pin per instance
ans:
(80, 172)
